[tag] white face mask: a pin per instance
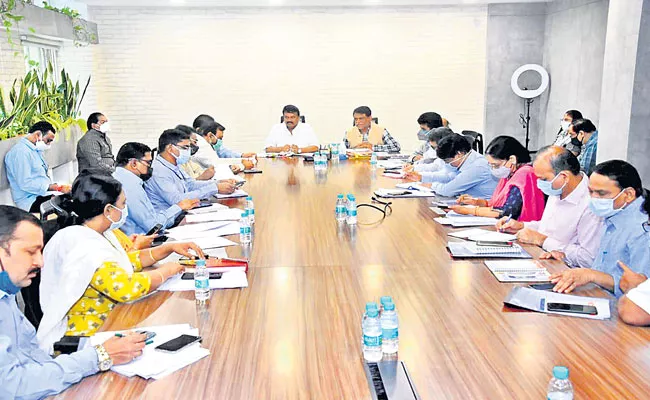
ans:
(41, 146)
(105, 127)
(565, 125)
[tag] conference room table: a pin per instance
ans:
(295, 332)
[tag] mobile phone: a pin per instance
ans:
(542, 286)
(203, 204)
(253, 171)
(188, 276)
(149, 335)
(572, 308)
(178, 343)
(155, 230)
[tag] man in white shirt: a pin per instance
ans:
(292, 135)
(567, 225)
(634, 306)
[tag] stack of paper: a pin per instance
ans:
(228, 280)
(537, 300)
(188, 231)
(237, 193)
(155, 363)
(460, 220)
(481, 235)
(212, 242)
(471, 250)
(229, 214)
(391, 164)
(395, 174)
(413, 186)
(403, 193)
(518, 271)
(212, 208)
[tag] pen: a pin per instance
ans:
(507, 220)
(413, 188)
(146, 343)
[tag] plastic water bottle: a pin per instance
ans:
(341, 213)
(371, 334)
(560, 388)
(373, 161)
(250, 209)
(201, 282)
(244, 229)
(352, 210)
(389, 329)
(335, 153)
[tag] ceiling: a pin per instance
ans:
(291, 3)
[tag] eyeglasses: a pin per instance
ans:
(145, 162)
(182, 147)
(646, 226)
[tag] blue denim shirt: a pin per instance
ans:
(225, 152)
(142, 215)
(26, 371)
(27, 173)
(473, 178)
(624, 239)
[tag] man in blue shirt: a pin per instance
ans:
(201, 123)
(27, 372)
(27, 170)
(133, 169)
(465, 172)
(169, 184)
(616, 195)
(585, 134)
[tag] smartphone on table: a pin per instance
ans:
(188, 276)
(178, 343)
(572, 308)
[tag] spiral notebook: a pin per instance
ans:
(518, 271)
(471, 250)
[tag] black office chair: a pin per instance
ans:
(375, 120)
(302, 119)
(476, 139)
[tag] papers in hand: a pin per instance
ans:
(537, 300)
(518, 271)
(235, 194)
(153, 363)
(228, 280)
(481, 235)
(229, 214)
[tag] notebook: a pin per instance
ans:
(471, 250)
(518, 271)
(483, 235)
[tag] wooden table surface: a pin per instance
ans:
(295, 332)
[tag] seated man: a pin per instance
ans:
(133, 167)
(292, 135)
(563, 138)
(94, 149)
(634, 306)
(584, 133)
(222, 151)
(616, 195)
(365, 134)
(169, 185)
(26, 371)
(421, 169)
(567, 225)
(428, 122)
(465, 172)
(207, 155)
(27, 170)
(193, 168)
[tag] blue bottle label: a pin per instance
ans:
(352, 212)
(388, 334)
(371, 340)
(203, 283)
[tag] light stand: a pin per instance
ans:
(525, 121)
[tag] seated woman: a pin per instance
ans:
(87, 271)
(516, 194)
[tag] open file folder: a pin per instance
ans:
(537, 300)
(471, 250)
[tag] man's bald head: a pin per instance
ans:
(555, 159)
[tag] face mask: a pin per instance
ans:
(194, 149)
(118, 224)
(105, 127)
(547, 187)
(501, 172)
(41, 146)
(565, 125)
(183, 157)
(6, 285)
(217, 145)
(576, 142)
(604, 207)
(147, 176)
(423, 134)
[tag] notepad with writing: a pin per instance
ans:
(471, 250)
(518, 271)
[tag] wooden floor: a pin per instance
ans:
(295, 332)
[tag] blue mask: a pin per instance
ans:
(547, 187)
(118, 224)
(423, 134)
(604, 207)
(6, 285)
(183, 157)
(217, 145)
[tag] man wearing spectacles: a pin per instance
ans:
(134, 162)
(169, 184)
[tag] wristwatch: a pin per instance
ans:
(299, 150)
(105, 363)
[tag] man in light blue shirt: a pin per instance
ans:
(27, 170)
(616, 195)
(465, 172)
(133, 167)
(27, 372)
(203, 122)
(169, 184)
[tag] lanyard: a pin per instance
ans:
(181, 177)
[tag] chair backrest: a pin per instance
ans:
(302, 119)
(374, 119)
(477, 140)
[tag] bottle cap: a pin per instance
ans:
(244, 214)
(350, 195)
(390, 306)
(373, 312)
(385, 299)
(340, 196)
(200, 263)
(370, 305)
(560, 372)
(249, 198)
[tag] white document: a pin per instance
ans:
(390, 163)
(154, 363)
(212, 242)
(237, 193)
(438, 210)
(228, 280)
(230, 228)
(230, 214)
(398, 193)
(394, 174)
(187, 230)
(214, 207)
(466, 221)
(518, 270)
(413, 186)
(483, 235)
(537, 300)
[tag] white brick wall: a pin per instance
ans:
(12, 65)
(156, 68)
(78, 62)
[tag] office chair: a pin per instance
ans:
(476, 139)
(302, 119)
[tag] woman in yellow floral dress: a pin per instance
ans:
(87, 268)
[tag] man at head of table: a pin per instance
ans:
(291, 135)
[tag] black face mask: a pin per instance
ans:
(194, 149)
(147, 176)
(576, 142)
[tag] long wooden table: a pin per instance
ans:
(295, 332)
